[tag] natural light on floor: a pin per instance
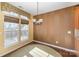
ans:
(36, 52)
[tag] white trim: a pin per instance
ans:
(69, 50)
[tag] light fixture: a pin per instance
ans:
(37, 20)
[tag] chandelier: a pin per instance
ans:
(37, 20)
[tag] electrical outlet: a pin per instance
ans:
(69, 32)
(57, 42)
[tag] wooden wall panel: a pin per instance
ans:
(55, 27)
(77, 17)
(77, 29)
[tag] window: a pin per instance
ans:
(24, 31)
(11, 33)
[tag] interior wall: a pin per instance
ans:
(57, 28)
(77, 29)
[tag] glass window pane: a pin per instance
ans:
(10, 33)
(24, 35)
(24, 27)
(10, 38)
(24, 32)
(10, 26)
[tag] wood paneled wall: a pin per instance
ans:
(77, 17)
(77, 29)
(55, 27)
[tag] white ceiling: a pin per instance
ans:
(44, 7)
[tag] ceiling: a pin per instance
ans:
(44, 7)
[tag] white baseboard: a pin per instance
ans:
(69, 50)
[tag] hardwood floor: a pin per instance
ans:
(60, 51)
(65, 53)
(35, 50)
